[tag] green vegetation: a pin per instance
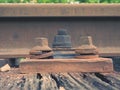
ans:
(59, 1)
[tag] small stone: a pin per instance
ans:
(62, 88)
(5, 68)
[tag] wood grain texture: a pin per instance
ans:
(60, 81)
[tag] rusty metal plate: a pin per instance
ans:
(66, 65)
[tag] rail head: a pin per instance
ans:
(59, 10)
